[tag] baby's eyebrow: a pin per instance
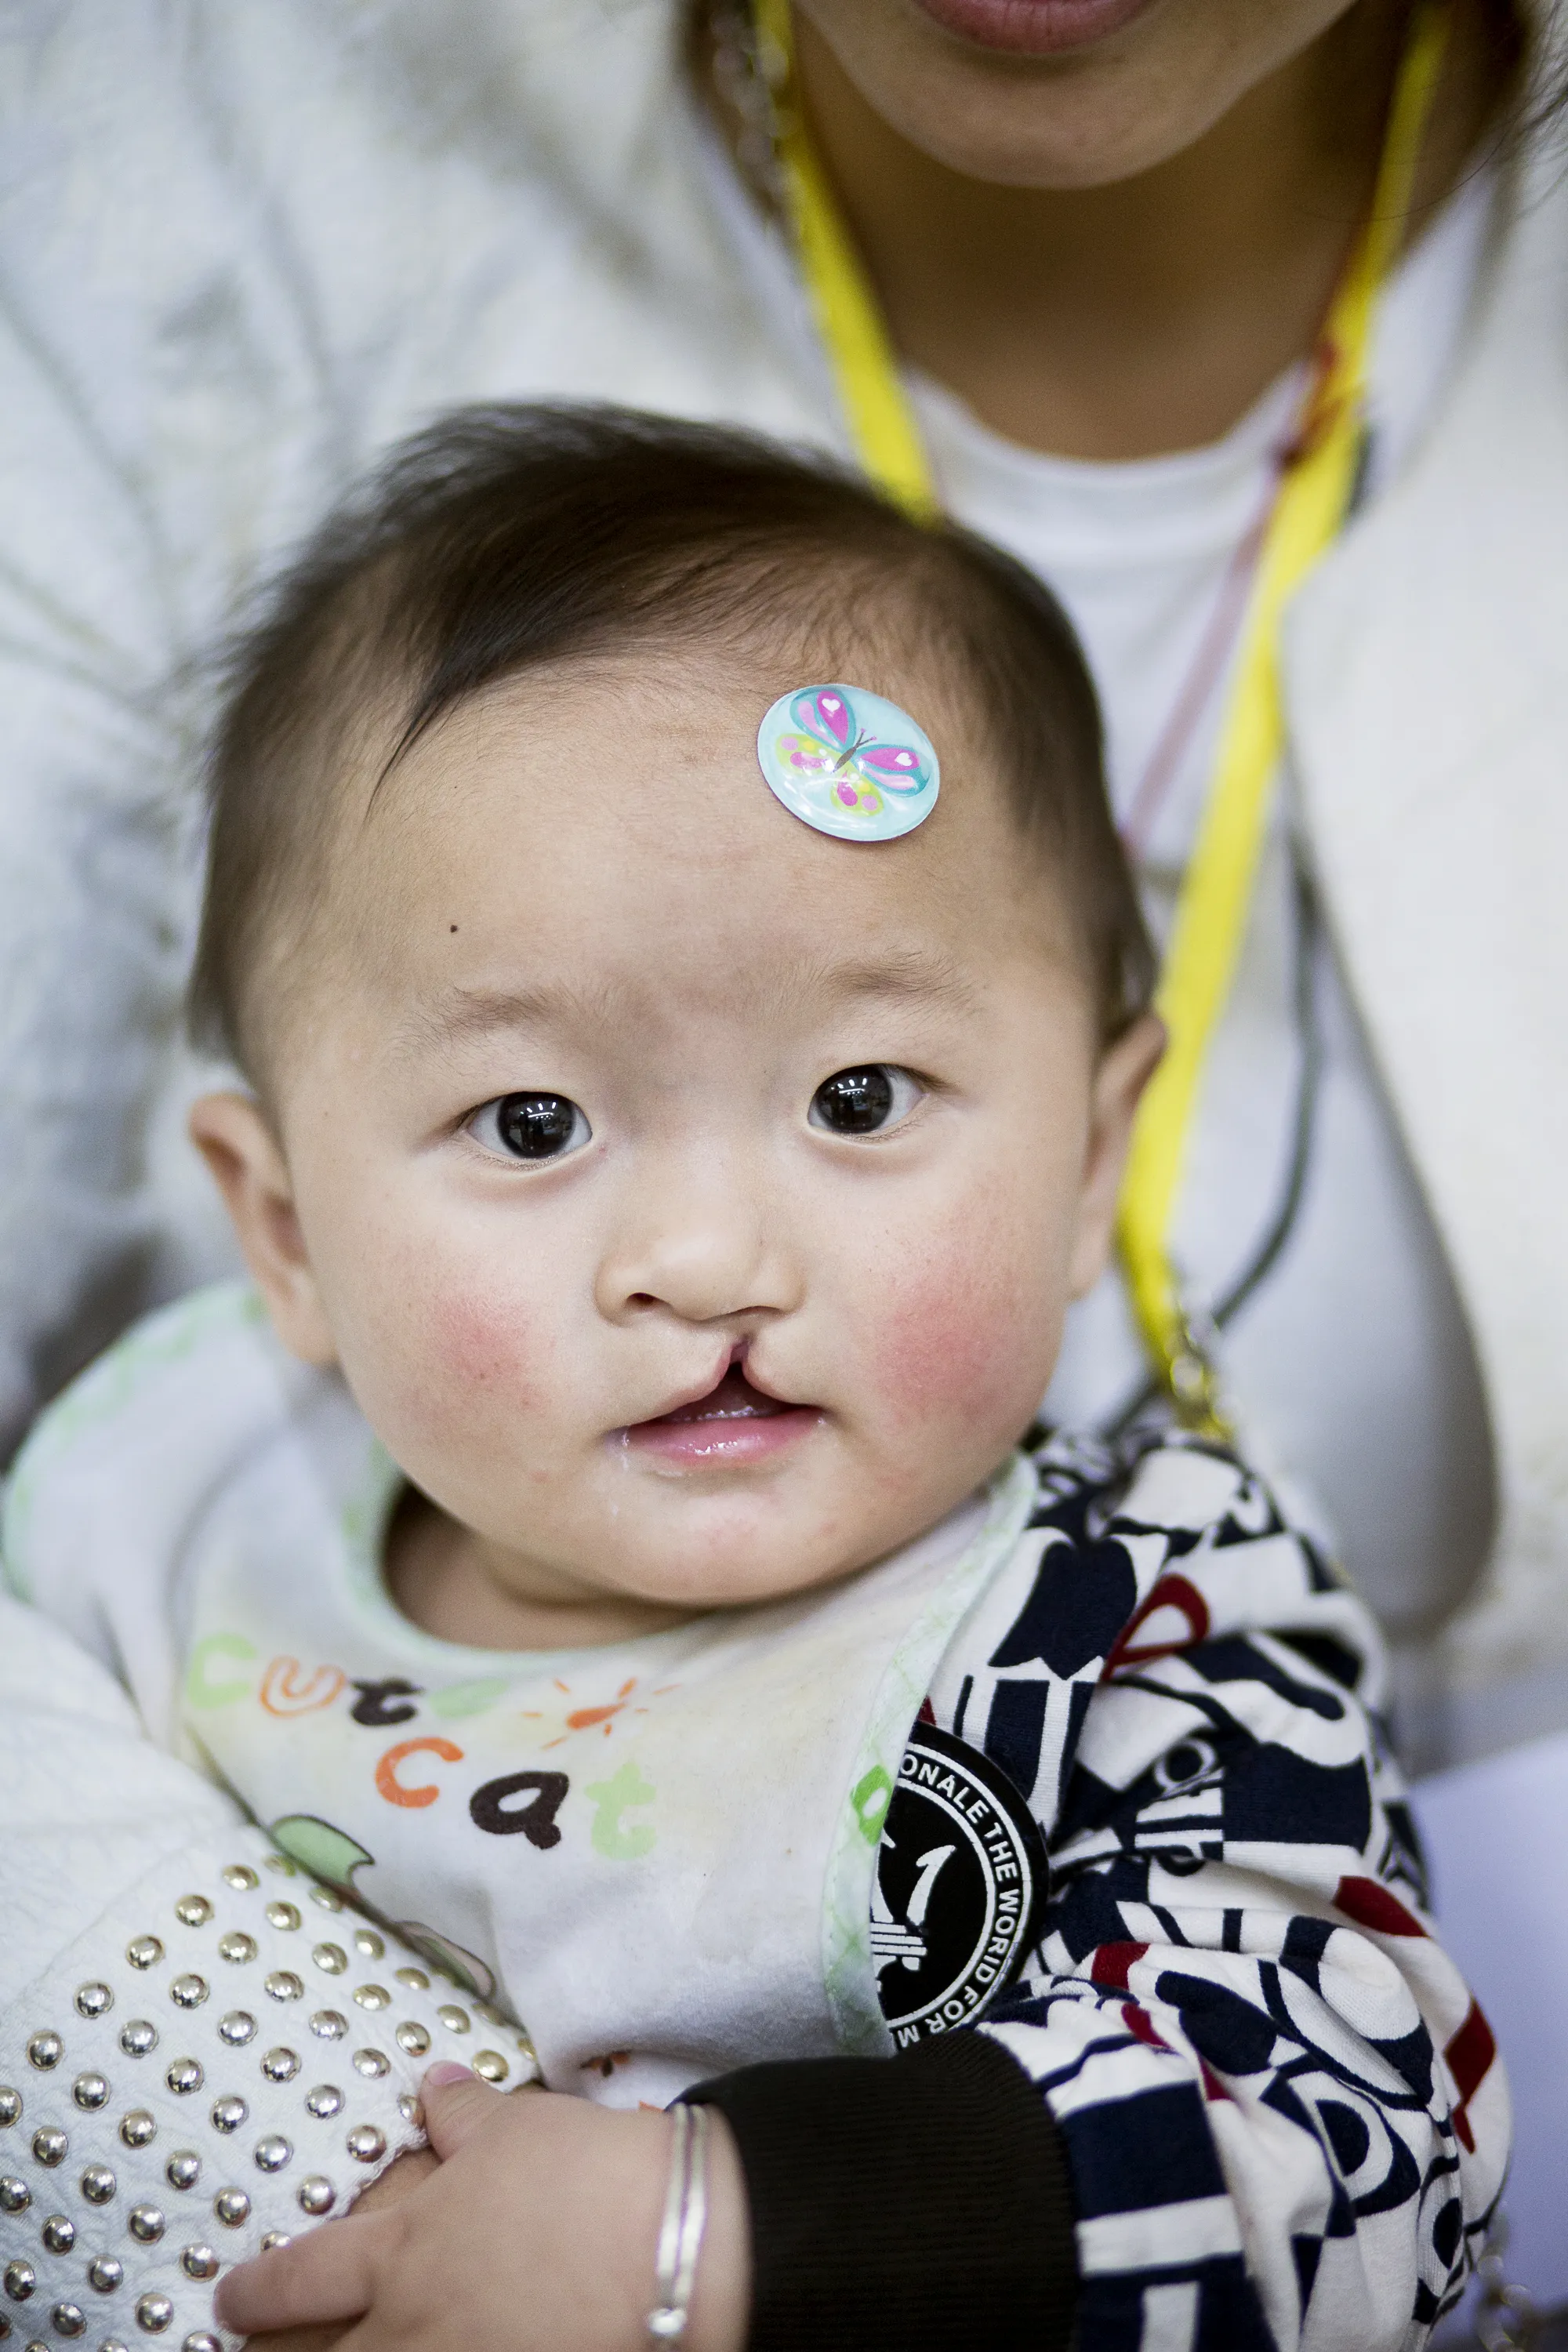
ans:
(913, 975)
(456, 1016)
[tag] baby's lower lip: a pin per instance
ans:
(733, 1426)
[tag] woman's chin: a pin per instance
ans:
(1034, 28)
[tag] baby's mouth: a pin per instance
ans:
(734, 1423)
(734, 1398)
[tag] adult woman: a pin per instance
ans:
(1102, 231)
(1102, 234)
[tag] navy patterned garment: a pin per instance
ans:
(1283, 2112)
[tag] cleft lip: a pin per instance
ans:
(731, 1392)
(734, 1420)
(733, 1396)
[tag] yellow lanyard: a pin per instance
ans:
(1314, 495)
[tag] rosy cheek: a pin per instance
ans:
(481, 1347)
(453, 1354)
(960, 1335)
(934, 1350)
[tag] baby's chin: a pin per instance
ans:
(710, 1515)
(729, 1556)
(745, 1583)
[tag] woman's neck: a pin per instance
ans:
(1146, 316)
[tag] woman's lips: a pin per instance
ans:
(1034, 28)
(734, 1425)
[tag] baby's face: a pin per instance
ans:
(691, 1201)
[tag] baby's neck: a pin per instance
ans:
(437, 1574)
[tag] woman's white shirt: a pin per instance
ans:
(1351, 1367)
(327, 225)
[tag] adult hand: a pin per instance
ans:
(537, 2229)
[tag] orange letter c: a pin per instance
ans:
(392, 1788)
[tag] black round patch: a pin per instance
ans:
(960, 1876)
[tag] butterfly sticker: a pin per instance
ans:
(849, 762)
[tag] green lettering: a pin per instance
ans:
(202, 1691)
(871, 1797)
(613, 1798)
(469, 1698)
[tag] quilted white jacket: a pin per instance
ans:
(242, 247)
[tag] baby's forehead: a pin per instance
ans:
(635, 792)
(610, 829)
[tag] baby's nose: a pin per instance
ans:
(707, 1253)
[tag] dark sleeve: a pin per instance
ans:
(916, 2200)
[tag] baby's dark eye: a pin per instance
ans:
(530, 1126)
(864, 1101)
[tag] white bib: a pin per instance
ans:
(659, 1854)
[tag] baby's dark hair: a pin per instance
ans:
(507, 538)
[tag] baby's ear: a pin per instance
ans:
(1125, 1069)
(231, 1132)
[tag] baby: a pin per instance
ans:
(693, 1006)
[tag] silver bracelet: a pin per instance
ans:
(680, 2233)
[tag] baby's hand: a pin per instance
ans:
(537, 2231)
(404, 2173)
